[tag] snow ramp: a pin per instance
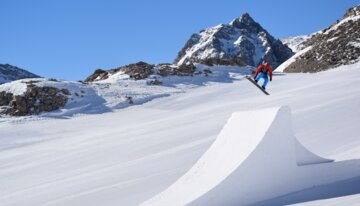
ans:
(255, 158)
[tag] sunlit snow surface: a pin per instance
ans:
(126, 156)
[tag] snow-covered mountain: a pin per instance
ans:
(336, 45)
(241, 42)
(10, 73)
(295, 43)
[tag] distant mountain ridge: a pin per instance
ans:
(10, 73)
(295, 43)
(241, 42)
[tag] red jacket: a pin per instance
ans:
(266, 69)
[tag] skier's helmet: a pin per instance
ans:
(265, 63)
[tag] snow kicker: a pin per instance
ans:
(255, 158)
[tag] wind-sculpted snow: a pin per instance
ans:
(255, 158)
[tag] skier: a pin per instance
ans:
(263, 71)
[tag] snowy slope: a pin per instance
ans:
(10, 73)
(351, 200)
(116, 91)
(295, 42)
(231, 172)
(128, 156)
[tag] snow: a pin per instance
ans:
(355, 44)
(332, 39)
(295, 42)
(288, 62)
(340, 201)
(205, 39)
(231, 170)
(128, 156)
(111, 94)
(229, 45)
(15, 87)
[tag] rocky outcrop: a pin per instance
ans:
(181, 70)
(137, 71)
(242, 42)
(99, 74)
(10, 73)
(336, 45)
(142, 70)
(34, 101)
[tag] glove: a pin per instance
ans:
(270, 79)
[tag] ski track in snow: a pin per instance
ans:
(129, 155)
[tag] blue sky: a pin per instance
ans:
(69, 39)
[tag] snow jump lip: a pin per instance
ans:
(255, 157)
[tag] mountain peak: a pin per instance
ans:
(241, 42)
(244, 19)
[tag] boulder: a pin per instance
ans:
(34, 101)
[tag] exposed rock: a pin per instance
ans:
(336, 45)
(154, 82)
(242, 42)
(181, 70)
(136, 71)
(207, 71)
(5, 98)
(354, 11)
(34, 101)
(99, 74)
(185, 69)
(165, 69)
(65, 91)
(129, 99)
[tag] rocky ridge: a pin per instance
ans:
(338, 44)
(142, 70)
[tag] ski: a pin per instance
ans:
(258, 86)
